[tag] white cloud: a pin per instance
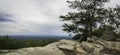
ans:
(34, 16)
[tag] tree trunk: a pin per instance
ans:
(90, 34)
(90, 28)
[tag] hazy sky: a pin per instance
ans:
(34, 17)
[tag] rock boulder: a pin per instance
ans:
(70, 47)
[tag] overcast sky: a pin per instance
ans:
(34, 17)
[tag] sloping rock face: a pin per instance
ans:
(70, 47)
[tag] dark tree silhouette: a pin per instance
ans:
(83, 22)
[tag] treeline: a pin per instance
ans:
(7, 43)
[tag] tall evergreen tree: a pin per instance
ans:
(88, 14)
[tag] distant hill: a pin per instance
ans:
(45, 37)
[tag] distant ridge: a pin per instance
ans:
(36, 37)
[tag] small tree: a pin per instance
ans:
(83, 22)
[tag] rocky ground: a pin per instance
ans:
(70, 47)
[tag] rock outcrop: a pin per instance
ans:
(70, 47)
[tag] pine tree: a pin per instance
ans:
(88, 14)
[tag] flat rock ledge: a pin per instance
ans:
(70, 47)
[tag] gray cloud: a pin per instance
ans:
(5, 18)
(33, 17)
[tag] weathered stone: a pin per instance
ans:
(108, 35)
(80, 50)
(71, 42)
(70, 47)
(67, 47)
